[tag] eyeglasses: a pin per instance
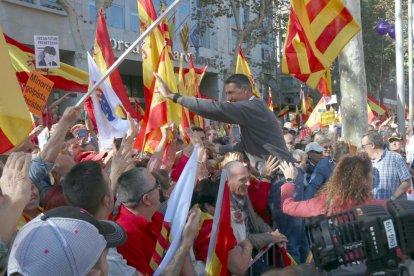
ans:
(363, 146)
(326, 148)
(157, 186)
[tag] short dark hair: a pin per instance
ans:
(375, 138)
(207, 192)
(239, 80)
(49, 50)
(85, 186)
(196, 128)
(132, 185)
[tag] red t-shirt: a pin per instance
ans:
(258, 195)
(141, 238)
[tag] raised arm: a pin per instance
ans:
(53, 146)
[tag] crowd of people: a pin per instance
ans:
(73, 208)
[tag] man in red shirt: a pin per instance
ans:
(139, 194)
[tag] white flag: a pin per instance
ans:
(105, 104)
(178, 207)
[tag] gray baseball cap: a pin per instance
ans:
(62, 241)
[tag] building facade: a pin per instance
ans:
(75, 26)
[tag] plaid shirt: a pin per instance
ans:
(389, 172)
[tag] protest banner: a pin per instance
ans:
(47, 51)
(36, 92)
(328, 118)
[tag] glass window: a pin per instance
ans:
(51, 4)
(134, 21)
(92, 11)
(116, 16)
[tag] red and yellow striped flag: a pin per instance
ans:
(104, 58)
(325, 84)
(15, 120)
(151, 51)
(66, 78)
(317, 32)
(283, 112)
(219, 247)
(314, 120)
(193, 89)
(161, 108)
(185, 120)
(376, 106)
(270, 100)
(242, 67)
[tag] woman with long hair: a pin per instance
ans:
(349, 186)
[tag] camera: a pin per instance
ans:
(369, 234)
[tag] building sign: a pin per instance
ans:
(122, 46)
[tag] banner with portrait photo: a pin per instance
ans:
(47, 51)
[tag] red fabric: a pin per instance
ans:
(5, 143)
(104, 43)
(314, 206)
(258, 194)
(47, 118)
(203, 240)
(179, 167)
(224, 230)
(142, 238)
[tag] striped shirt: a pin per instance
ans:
(389, 172)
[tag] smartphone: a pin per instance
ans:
(236, 133)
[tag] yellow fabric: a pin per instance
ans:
(15, 120)
(242, 67)
(214, 267)
(313, 31)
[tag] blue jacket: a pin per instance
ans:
(322, 172)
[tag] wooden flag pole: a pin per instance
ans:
(127, 51)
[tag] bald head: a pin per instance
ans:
(238, 178)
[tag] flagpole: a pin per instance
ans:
(127, 51)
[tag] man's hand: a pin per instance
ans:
(15, 183)
(162, 87)
(71, 114)
(279, 238)
(192, 227)
(288, 169)
(215, 148)
(121, 161)
(270, 167)
(133, 127)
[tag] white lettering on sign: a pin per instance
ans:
(390, 232)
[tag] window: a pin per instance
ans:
(116, 16)
(92, 11)
(51, 4)
(134, 17)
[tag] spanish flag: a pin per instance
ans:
(316, 33)
(304, 106)
(314, 120)
(283, 112)
(15, 120)
(104, 58)
(376, 107)
(67, 78)
(193, 89)
(218, 250)
(161, 108)
(270, 100)
(242, 67)
(151, 51)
